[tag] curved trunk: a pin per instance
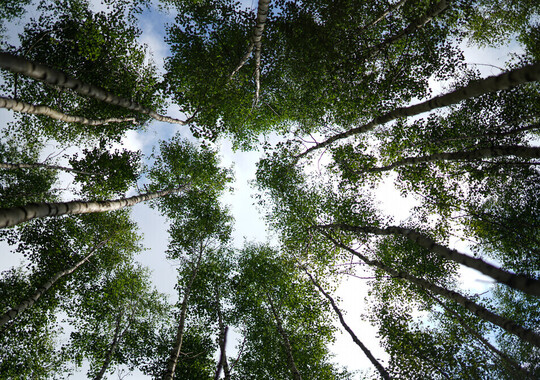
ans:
(526, 152)
(375, 362)
(286, 342)
(175, 353)
(504, 81)
(517, 281)
(27, 303)
(508, 325)
(17, 105)
(12, 216)
(415, 25)
(57, 78)
(8, 165)
(511, 363)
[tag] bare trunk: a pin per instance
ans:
(494, 151)
(8, 165)
(516, 281)
(223, 356)
(57, 78)
(15, 215)
(415, 25)
(118, 334)
(508, 325)
(375, 362)
(493, 134)
(255, 44)
(286, 342)
(19, 106)
(506, 359)
(27, 303)
(175, 353)
(504, 81)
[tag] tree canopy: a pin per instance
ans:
(340, 100)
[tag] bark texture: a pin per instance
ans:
(520, 282)
(255, 43)
(27, 303)
(375, 362)
(17, 105)
(8, 165)
(15, 215)
(508, 325)
(57, 78)
(510, 79)
(526, 152)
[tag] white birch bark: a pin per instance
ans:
(526, 152)
(510, 79)
(19, 106)
(27, 303)
(12, 216)
(57, 78)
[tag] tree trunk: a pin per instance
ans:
(526, 152)
(504, 81)
(262, 13)
(511, 363)
(57, 78)
(27, 303)
(492, 134)
(517, 281)
(19, 106)
(222, 356)
(223, 342)
(415, 25)
(116, 340)
(7, 165)
(286, 342)
(375, 362)
(175, 353)
(508, 325)
(15, 215)
(381, 17)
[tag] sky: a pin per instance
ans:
(249, 225)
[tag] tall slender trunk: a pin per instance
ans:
(175, 353)
(375, 362)
(492, 134)
(8, 165)
(526, 152)
(15, 215)
(286, 342)
(222, 341)
(415, 25)
(511, 363)
(255, 43)
(516, 281)
(19, 106)
(57, 78)
(506, 324)
(27, 303)
(393, 8)
(510, 79)
(118, 334)
(222, 356)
